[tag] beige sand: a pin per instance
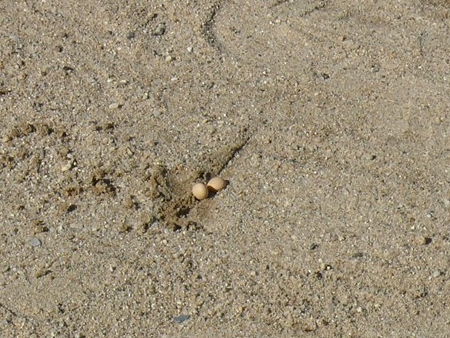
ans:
(330, 119)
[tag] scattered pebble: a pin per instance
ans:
(181, 319)
(6, 138)
(422, 240)
(35, 242)
(114, 105)
(67, 166)
(159, 30)
(313, 246)
(325, 267)
(436, 274)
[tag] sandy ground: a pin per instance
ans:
(330, 119)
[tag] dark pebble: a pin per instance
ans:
(181, 319)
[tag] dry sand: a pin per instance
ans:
(330, 119)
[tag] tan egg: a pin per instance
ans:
(216, 184)
(200, 191)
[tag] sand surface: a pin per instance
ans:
(330, 119)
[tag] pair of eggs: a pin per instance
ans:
(201, 191)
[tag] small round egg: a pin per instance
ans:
(216, 184)
(200, 191)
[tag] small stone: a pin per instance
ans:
(6, 139)
(313, 246)
(4, 268)
(35, 242)
(114, 105)
(181, 319)
(309, 325)
(436, 274)
(358, 255)
(39, 227)
(422, 240)
(67, 166)
(41, 272)
(124, 228)
(159, 30)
